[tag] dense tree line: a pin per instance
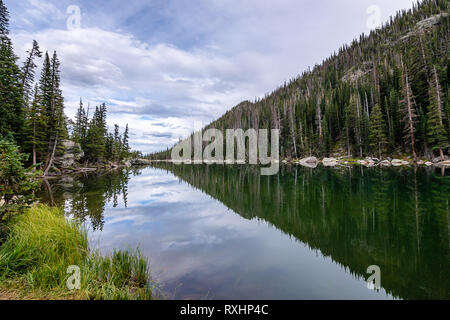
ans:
(96, 142)
(385, 94)
(32, 114)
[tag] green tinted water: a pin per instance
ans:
(225, 232)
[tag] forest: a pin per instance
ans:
(32, 114)
(385, 94)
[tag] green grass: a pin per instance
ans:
(41, 244)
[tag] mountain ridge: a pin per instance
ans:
(328, 109)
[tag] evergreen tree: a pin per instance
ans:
(56, 121)
(35, 129)
(109, 147)
(125, 150)
(97, 135)
(80, 126)
(410, 114)
(117, 145)
(377, 130)
(17, 185)
(437, 134)
(28, 72)
(12, 113)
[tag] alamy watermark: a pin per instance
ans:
(259, 151)
(374, 20)
(374, 280)
(74, 281)
(74, 19)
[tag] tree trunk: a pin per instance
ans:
(410, 114)
(49, 191)
(359, 126)
(348, 143)
(52, 157)
(34, 144)
(438, 95)
(34, 156)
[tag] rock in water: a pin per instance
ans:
(398, 163)
(310, 162)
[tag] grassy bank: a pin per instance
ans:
(40, 246)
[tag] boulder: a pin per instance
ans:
(428, 163)
(398, 163)
(330, 162)
(71, 155)
(310, 162)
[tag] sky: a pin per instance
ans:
(165, 66)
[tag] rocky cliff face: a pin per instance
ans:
(72, 154)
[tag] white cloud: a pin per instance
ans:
(136, 79)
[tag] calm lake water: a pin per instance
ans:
(225, 232)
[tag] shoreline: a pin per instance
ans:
(309, 162)
(329, 162)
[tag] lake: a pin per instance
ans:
(226, 232)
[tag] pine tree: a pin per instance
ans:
(117, 146)
(353, 120)
(97, 135)
(80, 126)
(36, 127)
(12, 113)
(109, 147)
(437, 134)
(4, 19)
(377, 130)
(125, 145)
(28, 72)
(410, 114)
(57, 128)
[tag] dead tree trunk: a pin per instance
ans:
(52, 157)
(410, 114)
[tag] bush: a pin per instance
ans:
(17, 185)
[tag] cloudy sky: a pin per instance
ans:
(163, 65)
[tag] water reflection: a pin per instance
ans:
(86, 195)
(303, 234)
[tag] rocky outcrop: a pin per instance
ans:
(70, 157)
(423, 25)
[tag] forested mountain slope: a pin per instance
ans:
(386, 93)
